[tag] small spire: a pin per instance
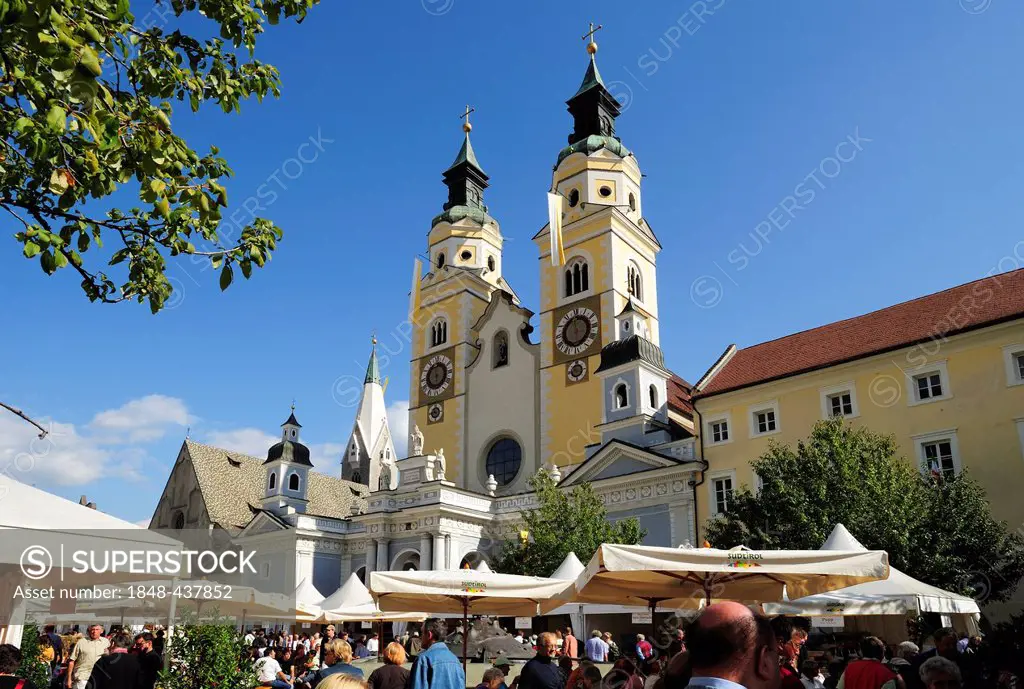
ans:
(372, 369)
(466, 154)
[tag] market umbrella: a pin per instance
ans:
(896, 594)
(688, 577)
(465, 591)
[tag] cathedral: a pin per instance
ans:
(587, 395)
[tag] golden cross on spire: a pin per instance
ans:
(592, 46)
(373, 337)
(466, 126)
(293, 404)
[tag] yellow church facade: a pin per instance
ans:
(943, 374)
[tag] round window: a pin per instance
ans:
(466, 255)
(503, 460)
(574, 198)
(605, 191)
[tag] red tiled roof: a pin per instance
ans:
(983, 302)
(679, 395)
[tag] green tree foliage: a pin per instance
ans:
(33, 668)
(86, 96)
(564, 521)
(939, 530)
(212, 654)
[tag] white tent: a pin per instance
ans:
(897, 594)
(466, 591)
(307, 601)
(33, 518)
(684, 577)
(353, 603)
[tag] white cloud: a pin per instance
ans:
(398, 422)
(63, 457)
(144, 523)
(326, 457)
(141, 420)
(248, 441)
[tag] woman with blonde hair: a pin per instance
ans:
(338, 657)
(342, 681)
(392, 675)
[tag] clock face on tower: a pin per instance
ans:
(576, 331)
(436, 375)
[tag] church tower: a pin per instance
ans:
(464, 250)
(370, 451)
(610, 253)
(287, 471)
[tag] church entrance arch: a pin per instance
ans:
(405, 561)
(472, 559)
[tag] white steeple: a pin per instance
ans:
(370, 448)
(287, 470)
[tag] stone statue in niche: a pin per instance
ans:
(387, 466)
(416, 441)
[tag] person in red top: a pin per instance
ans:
(790, 635)
(570, 646)
(869, 672)
(644, 650)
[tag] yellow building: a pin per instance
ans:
(943, 373)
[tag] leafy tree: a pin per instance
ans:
(938, 530)
(212, 654)
(564, 521)
(86, 97)
(33, 668)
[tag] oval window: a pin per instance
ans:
(605, 191)
(490, 263)
(574, 198)
(466, 255)
(632, 202)
(503, 460)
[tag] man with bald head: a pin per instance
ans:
(731, 647)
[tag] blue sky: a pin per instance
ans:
(729, 113)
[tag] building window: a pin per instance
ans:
(439, 332)
(179, 521)
(577, 277)
(1014, 355)
(939, 453)
(764, 419)
(574, 198)
(440, 260)
(632, 201)
(635, 282)
(273, 482)
(501, 349)
(653, 390)
(265, 570)
(719, 431)
(490, 263)
(722, 490)
(466, 255)
(503, 460)
(605, 191)
(293, 482)
(929, 384)
(621, 396)
(840, 404)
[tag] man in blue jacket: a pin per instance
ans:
(436, 667)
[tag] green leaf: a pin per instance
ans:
(56, 119)
(226, 276)
(31, 249)
(58, 182)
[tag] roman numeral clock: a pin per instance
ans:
(577, 335)
(437, 376)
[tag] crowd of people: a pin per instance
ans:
(727, 646)
(117, 660)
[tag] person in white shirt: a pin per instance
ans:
(810, 675)
(270, 673)
(373, 644)
(249, 638)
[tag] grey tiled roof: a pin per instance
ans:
(232, 486)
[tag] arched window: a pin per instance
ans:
(503, 460)
(577, 277)
(440, 260)
(273, 482)
(356, 477)
(635, 281)
(500, 349)
(621, 396)
(439, 332)
(653, 390)
(293, 482)
(179, 521)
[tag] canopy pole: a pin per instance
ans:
(465, 633)
(654, 625)
(707, 589)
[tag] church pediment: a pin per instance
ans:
(264, 522)
(617, 458)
